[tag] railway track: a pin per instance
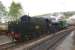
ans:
(57, 42)
(7, 45)
(37, 44)
(50, 43)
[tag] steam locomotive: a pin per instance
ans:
(27, 27)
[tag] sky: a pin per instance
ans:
(38, 7)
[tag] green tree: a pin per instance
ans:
(3, 11)
(15, 10)
(69, 13)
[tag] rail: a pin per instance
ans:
(45, 43)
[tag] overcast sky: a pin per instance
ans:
(38, 7)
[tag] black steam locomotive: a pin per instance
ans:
(27, 27)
